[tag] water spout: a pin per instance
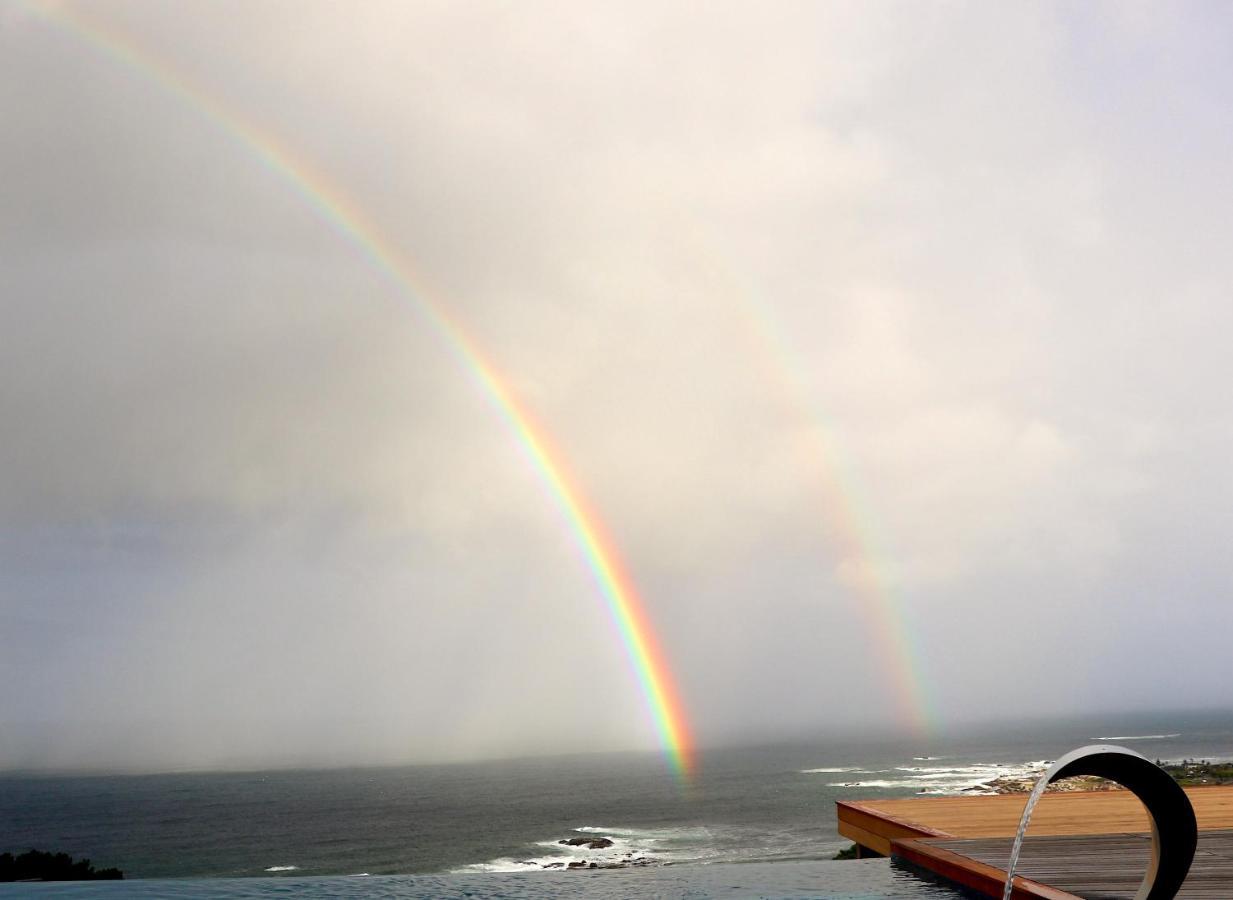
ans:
(1033, 799)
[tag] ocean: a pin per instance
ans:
(756, 821)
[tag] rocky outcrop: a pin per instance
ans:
(627, 858)
(590, 843)
(1023, 784)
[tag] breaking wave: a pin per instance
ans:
(282, 868)
(946, 779)
(1137, 737)
(630, 847)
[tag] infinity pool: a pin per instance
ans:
(849, 880)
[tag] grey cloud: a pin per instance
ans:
(950, 279)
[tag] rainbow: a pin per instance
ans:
(856, 543)
(616, 585)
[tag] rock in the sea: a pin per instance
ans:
(577, 865)
(589, 843)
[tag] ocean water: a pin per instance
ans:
(757, 821)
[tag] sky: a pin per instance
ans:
(889, 342)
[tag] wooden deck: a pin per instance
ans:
(1094, 867)
(1090, 845)
(875, 823)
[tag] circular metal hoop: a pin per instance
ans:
(1174, 830)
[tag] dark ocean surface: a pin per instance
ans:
(488, 829)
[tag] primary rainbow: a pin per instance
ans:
(615, 583)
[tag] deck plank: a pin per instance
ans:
(1097, 867)
(1085, 844)
(1090, 812)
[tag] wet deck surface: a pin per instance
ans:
(1101, 867)
(1087, 844)
(1094, 812)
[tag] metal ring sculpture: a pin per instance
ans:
(1174, 831)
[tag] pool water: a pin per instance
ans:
(877, 879)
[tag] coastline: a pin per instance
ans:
(1023, 784)
(1187, 772)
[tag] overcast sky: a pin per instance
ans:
(959, 272)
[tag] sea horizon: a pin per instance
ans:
(843, 737)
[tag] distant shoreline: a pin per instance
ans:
(1188, 772)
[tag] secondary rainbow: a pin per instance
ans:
(855, 540)
(621, 598)
(853, 533)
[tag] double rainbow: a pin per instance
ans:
(616, 585)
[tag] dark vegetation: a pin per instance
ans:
(847, 853)
(1191, 772)
(35, 865)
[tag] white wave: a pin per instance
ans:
(948, 779)
(831, 770)
(282, 868)
(508, 864)
(927, 758)
(560, 856)
(360, 875)
(629, 845)
(881, 783)
(682, 833)
(1137, 737)
(995, 768)
(554, 855)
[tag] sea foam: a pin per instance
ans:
(630, 847)
(945, 779)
